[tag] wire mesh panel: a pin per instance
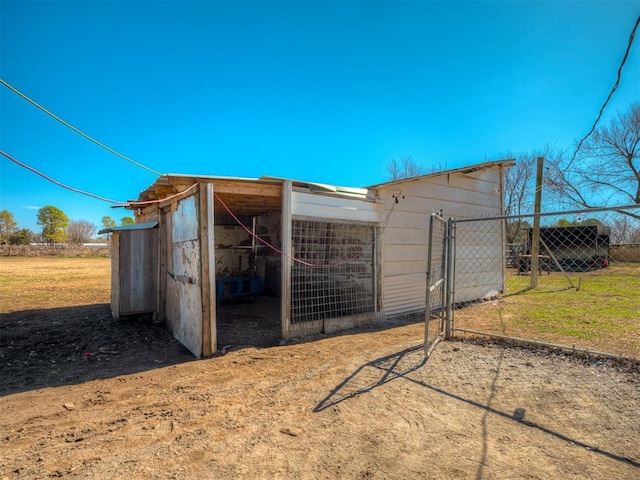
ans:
(579, 288)
(436, 282)
(337, 276)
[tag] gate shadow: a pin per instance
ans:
(380, 371)
(70, 345)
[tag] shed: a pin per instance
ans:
(243, 257)
(134, 252)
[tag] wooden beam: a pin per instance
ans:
(236, 187)
(207, 262)
(285, 291)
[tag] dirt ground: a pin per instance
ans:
(86, 396)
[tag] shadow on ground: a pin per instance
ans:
(62, 346)
(406, 365)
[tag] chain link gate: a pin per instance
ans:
(435, 304)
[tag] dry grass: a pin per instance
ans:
(28, 283)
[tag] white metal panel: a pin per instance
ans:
(404, 294)
(323, 206)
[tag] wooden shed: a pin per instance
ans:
(134, 260)
(239, 258)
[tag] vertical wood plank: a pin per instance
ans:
(162, 267)
(115, 274)
(207, 259)
(285, 298)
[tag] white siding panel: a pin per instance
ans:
(323, 206)
(395, 269)
(442, 193)
(405, 253)
(404, 294)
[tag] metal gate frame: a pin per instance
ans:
(437, 308)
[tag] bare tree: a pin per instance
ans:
(625, 230)
(80, 231)
(405, 167)
(607, 169)
(519, 184)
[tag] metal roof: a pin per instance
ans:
(135, 226)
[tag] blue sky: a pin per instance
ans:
(320, 91)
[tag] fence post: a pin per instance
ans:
(450, 277)
(535, 241)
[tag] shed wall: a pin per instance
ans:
(459, 195)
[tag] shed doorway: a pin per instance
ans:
(248, 272)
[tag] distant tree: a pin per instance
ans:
(8, 225)
(563, 222)
(405, 167)
(625, 229)
(606, 170)
(519, 186)
(54, 223)
(80, 231)
(124, 221)
(21, 237)
(108, 222)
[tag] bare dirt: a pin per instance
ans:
(86, 396)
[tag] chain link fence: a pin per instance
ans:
(572, 282)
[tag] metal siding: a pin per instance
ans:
(323, 206)
(459, 195)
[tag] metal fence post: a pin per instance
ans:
(450, 277)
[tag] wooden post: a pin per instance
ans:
(535, 240)
(208, 273)
(285, 290)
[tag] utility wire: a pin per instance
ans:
(615, 87)
(17, 92)
(24, 165)
(117, 203)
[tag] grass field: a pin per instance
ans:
(28, 283)
(602, 314)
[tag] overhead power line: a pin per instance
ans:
(116, 203)
(615, 87)
(24, 165)
(111, 150)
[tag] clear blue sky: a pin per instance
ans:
(320, 91)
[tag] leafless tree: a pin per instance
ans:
(80, 231)
(606, 170)
(405, 167)
(519, 185)
(625, 230)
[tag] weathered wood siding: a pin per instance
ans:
(133, 272)
(184, 297)
(459, 195)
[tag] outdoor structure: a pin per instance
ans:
(573, 248)
(331, 257)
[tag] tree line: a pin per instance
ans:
(56, 226)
